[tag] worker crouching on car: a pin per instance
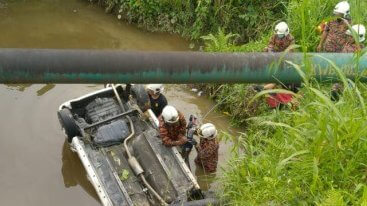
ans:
(157, 100)
(207, 149)
(172, 127)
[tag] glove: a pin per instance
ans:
(194, 142)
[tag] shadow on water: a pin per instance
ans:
(45, 89)
(205, 180)
(22, 87)
(18, 87)
(73, 171)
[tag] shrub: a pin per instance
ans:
(316, 155)
(195, 18)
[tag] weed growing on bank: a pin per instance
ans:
(316, 155)
(312, 11)
(303, 16)
(195, 18)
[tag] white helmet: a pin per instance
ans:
(156, 88)
(208, 131)
(170, 114)
(360, 30)
(282, 28)
(342, 8)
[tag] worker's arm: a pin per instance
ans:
(323, 37)
(181, 139)
(270, 86)
(293, 42)
(163, 133)
(182, 122)
(270, 47)
(166, 139)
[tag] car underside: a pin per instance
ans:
(116, 137)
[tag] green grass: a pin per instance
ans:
(303, 18)
(315, 155)
(304, 157)
(312, 12)
(195, 18)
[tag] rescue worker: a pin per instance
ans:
(207, 149)
(351, 45)
(157, 100)
(172, 127)
(334, 35)
(281, 40)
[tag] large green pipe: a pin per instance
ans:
(114, 66)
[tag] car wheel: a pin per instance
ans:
(68, 124)
(141, 96)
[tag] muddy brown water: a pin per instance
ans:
(36, 165)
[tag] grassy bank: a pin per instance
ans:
(312, 12)
(315, 155)
(251, 21)
(303, 18)
(195, 18)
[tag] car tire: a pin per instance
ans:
(68, 123)
(141, 96)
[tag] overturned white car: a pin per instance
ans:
(115, 135)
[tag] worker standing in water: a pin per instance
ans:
(207, 149)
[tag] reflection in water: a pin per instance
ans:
(19, 87)
(73, 171)
(3, 4)
(45, 89)
(23, 87)
(75, 24)
(204, 179)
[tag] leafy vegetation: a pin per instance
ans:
(235, 100)
(195, 18)
(315, 12)
(315, 155)
(312, 12)
(303, 17)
